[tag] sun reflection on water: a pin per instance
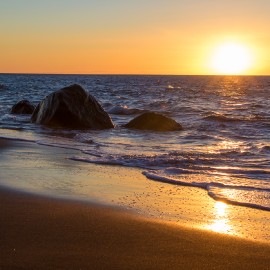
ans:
(220, 226)
(221, 222)
(221, 208)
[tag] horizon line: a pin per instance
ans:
(130, 74)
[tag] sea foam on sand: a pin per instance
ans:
(45, 170)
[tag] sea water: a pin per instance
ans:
(225, 136)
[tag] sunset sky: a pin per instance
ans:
(135, 37)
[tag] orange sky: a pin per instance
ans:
(130, 37)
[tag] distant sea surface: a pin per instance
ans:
(224, 147)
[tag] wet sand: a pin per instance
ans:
(69, 232)
(41, 233)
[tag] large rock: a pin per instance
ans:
(71, 107)
(23, 107)
(154, 121)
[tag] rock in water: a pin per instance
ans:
(23, 107)
(2, 86)
(154, 121)
(71, 107)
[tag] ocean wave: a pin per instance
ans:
(176, 170)
(124, 110)
(169, 180)
(206, 183)
(260, 117)
(97, 161)
(265, 149)
(249, 196)
(242, 172)
(178, 163)
(172, 87)
(221, 118)
(253, 198)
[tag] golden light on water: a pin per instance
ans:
(220, 226)
(231, 59)
(221, 208)
(221, 223)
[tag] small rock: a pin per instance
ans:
(23, 107)
(153, 121)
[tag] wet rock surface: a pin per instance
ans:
(153, 121)
(72, 107)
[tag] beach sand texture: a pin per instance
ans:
(42, 232)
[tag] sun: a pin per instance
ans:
(231, 59)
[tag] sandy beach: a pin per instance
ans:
(107, 226)
(42, 233)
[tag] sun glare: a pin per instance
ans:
(231, 59)
(221, 222)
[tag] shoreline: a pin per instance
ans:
(45, 233)
(116, 218)
(48, 172)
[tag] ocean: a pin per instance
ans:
(224, 146)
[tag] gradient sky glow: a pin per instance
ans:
(129, 37)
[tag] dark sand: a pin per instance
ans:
(42, 233)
